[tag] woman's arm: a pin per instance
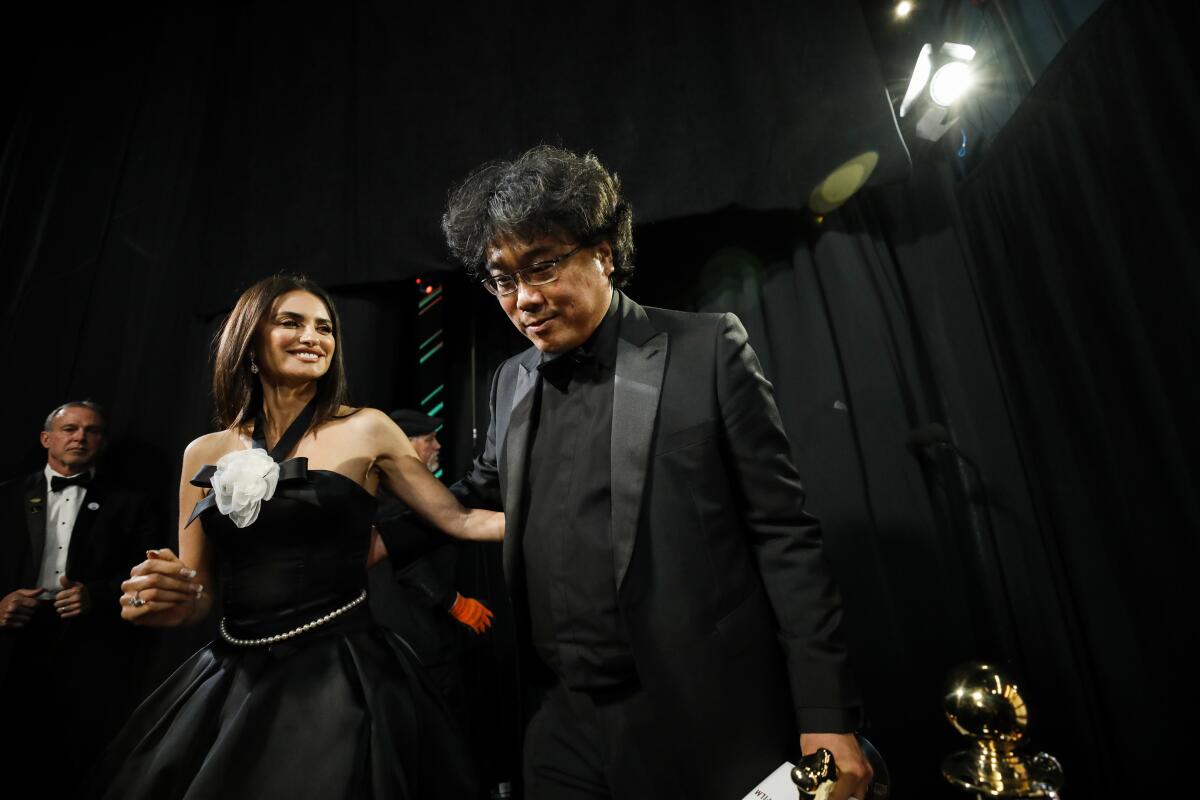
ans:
(409, 479)
(177, 590)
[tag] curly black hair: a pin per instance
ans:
(544, 191)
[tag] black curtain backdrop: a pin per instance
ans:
(1042, 312)
(1039, 309)
(157, 159)
(867, 327)
(1086, 266)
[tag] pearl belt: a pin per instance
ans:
(305, 628)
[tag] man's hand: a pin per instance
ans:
(472, 613)
(854, 772)
(73, 600)
(17, 607)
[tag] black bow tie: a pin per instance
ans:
(58, 482)
(567, 364)
(559, 371)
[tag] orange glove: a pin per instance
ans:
(472, 613)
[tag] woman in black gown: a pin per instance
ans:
(302, 696)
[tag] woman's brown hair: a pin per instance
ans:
(237, 393)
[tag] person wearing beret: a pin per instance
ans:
(413, 591)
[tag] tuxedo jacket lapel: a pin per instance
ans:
(637, 385)
(35, 518)
(82, 544)
(515, 451)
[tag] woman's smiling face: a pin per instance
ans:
(296, 339)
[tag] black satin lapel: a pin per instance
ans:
(81, 535)
(515, 453)
(636, 389)
(35, 519)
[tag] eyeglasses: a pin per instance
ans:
(539, 273)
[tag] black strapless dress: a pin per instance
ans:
(340, 711)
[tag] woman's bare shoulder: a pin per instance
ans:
(207, 449)
(365, 418)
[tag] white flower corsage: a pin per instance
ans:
(242, 481)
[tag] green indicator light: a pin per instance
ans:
(425, 343)
(436, 300)
(429, 298)
(425, 357)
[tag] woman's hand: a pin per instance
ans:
(163, 592)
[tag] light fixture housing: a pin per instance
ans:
(946, 73)
(920, 77)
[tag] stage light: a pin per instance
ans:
(946, 72)
(903, 9)
(959, 52)
(950, 83)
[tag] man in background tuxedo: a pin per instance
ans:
(68, 538)
(415, 592)
(679, 622)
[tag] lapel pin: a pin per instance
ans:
(93, 506)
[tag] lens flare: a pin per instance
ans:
(950, 83)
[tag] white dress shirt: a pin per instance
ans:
(62, 508)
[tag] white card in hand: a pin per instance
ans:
(778, 786)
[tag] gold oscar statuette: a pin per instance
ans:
(816, 773)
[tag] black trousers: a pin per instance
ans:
(65, 693)
(582, 746)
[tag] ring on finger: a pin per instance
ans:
(136, 601)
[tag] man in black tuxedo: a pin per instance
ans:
(679, 621)
(67, 540)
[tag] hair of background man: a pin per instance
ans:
(91, 404)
